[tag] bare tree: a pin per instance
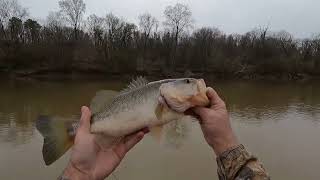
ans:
(114, 26)
(147, 23)
(95, 27)
(203, 41)
(9, 9)
(178, 18)
(285, 40)
(73, 10)
(54, 20)
(263, 32)
(54, 26)
(127, 34)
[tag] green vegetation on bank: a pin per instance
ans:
(68, 42)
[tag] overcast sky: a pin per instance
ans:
(299, 17)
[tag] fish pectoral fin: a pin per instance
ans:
(162, 112)
(156, 133)
(159, 111)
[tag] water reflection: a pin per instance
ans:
(256, 102)
(16, 128)
(22, 102)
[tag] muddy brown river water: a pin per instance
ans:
(279, 122)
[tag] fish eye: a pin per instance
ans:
(187, 81)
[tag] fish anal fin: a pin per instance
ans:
(156, 132)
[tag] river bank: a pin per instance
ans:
(98, 73)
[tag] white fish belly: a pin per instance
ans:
(125, 123)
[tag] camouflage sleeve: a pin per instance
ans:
(238, 164)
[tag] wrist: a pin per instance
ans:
(222, 144)
(73, 173)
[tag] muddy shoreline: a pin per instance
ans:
(98, 74)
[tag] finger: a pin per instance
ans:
(132, 140)
(85, 119)
(145, 130)
(200, 111)
(214, 97)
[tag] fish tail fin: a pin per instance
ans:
(58, 137)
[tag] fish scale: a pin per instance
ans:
(128, 99)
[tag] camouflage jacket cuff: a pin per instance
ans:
(231, 161)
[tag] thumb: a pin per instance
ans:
(215, 99)
(85, 119)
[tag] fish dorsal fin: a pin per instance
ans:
(135, 84)
(101, 99)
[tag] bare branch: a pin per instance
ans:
(73, 11)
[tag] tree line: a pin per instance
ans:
(68, 41)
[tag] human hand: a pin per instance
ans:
(215, 124)
(89, 160)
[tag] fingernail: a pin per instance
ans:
(82, 109)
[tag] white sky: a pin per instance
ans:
(299, 17)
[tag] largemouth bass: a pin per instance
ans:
(141, 105)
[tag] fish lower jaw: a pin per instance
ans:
(178, 107)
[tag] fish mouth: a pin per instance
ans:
(182, 104)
